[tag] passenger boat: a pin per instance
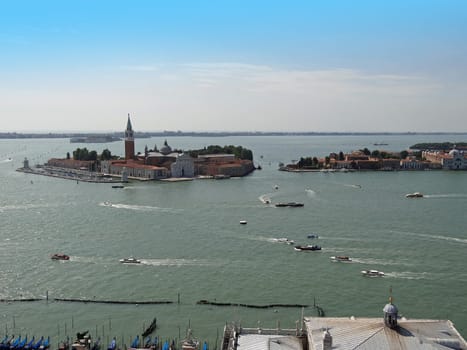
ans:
(414, 195)
(341, 258)
(289, 204)
(307, 247)
(372, 273)
(130, 260)
(60, 256)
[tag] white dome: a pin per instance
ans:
(454, 152)
(390, 309)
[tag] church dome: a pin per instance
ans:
(454, 152)
(166, 149)
(390, 309)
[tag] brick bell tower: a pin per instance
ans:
(129, 140)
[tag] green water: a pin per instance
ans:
(192, 246)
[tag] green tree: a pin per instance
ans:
(92, 155)
(375, 154)
(404, 154)
(106, 155)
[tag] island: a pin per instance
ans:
(365, 159)
(212, 162)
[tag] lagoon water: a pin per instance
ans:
(192, 246)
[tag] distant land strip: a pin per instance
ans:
(15, 135)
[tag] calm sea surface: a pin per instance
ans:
(192, 246)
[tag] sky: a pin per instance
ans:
(233, 65)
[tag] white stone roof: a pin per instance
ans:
(371, 333)
(271, 342)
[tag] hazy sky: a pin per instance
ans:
(238, 65)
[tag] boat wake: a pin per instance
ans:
(310, 193)
(21, 207)
(447, 195)
(435, 237)
(145, 208)
(408, 275)
(265, 198)
(175, 262)
(8, 160)
(369, 261)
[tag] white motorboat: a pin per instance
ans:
(243, 222)
(341, 258)
(130, 260)
(372, 273)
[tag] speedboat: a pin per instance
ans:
(372, 273)
(341, 258)
(60, 256)
(414, 195)
(312, 235)
(243, 222)
(307, 247)
(130, 260)
(289, 204)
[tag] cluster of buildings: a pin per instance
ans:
(161, 164)
(390, 332)
(358, 160)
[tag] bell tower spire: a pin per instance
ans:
(129, 140)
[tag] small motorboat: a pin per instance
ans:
(118, 186)
(414, 195)
(372, 273)
(243, 222)
(312, 235)
(308, 247)
(341, 258)
(289, 204)
(60, 256)
(130, 260)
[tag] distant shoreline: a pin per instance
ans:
(15, 135)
